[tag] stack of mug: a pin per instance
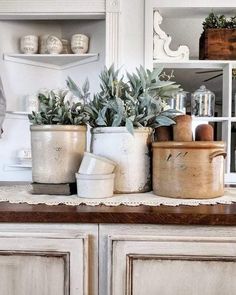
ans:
(95, 178)
(49, 44)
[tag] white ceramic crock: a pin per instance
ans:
(130, 152)
(54, 45)
(57, 152)
(29, 44)
(43, 44)
(93, 164)
(95, 186)
(79, 43)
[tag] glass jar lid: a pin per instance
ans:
(203, 91)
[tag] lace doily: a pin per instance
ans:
(21, 194)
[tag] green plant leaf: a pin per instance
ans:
(129, 126)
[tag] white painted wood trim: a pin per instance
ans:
(148, 38)
(52, 6)
(227, 111)
(48, 61)
(162, 41)
(113, 32)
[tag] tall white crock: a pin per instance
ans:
(57, 151)
(130, 152)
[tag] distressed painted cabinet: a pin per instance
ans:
(117, 259)
(48, 261)
(167, 260)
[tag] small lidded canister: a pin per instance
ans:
(203, 102)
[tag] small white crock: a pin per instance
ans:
(29, 44)
(93, 164)
(43, 44)
(95, 186)
(79, 43)
(54, 45)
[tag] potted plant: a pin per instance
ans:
(218, 40)
(58, 138)
(122, 116)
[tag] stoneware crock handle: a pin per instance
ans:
(217, 154)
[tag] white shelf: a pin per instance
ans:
(210, 119)
(52, 61)
(194, 64)
(26, 166)
(193, 12)
(18, 113)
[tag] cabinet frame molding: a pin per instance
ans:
(140, 247)
(73, 248)
(113, 32)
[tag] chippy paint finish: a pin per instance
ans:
(57, 151)
(130, 152)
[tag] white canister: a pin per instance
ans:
(43, 44)
(95, 186)
(29, 44)
(93, 164)
(79, 43)
(130, 152)
(54, 45)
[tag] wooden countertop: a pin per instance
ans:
(183, 215)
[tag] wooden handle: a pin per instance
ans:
(217, 154)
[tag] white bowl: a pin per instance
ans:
(95, 186)
(94, 164)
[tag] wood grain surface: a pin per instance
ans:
(201, 215)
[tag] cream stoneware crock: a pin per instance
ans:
(193, 170)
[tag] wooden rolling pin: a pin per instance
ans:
(204, 132)
(182, 130)
(163, 133)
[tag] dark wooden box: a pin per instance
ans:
(218, 44)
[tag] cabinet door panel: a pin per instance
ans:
(167, 260)
(182, 275)
(48, 264)
(171, 265)
(27, 273)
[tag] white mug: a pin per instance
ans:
(29, 44)
(54, 45)
(79, 44)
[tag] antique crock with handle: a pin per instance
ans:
(193, 170)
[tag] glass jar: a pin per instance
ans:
(203, 103)
(178, 101)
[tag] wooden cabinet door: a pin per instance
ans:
(141, 263)
(46, 263)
